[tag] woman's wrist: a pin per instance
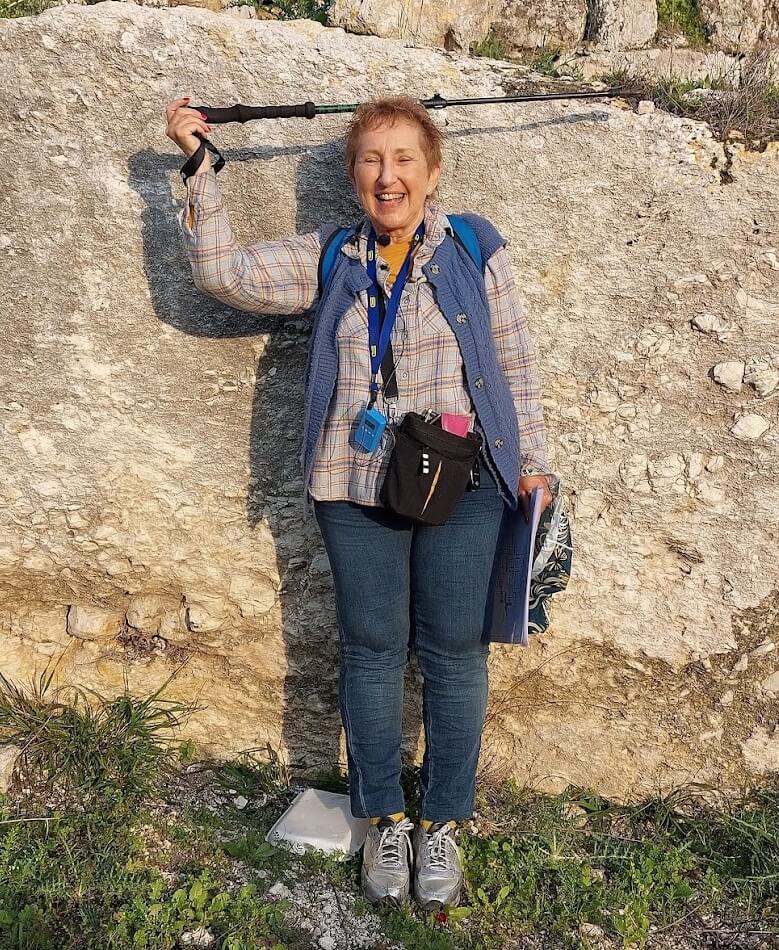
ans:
(551, 479)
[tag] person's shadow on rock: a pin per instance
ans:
(311, 725)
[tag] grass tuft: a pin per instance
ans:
(17, 8)
(81, 748)
(689, 864)
(493, 46)
(744, 106)
(682, 16)
(546, 60)
(252, 776)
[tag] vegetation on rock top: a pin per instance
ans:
(681, 16)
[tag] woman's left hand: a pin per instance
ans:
(526, 485)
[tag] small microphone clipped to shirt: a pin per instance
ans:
(383, 239)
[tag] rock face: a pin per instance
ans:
(151, 499)
(769, 31)
(732, 25)
(663, 62)
(542, 23)
(622, 24)
(8, 757)
(445, 23)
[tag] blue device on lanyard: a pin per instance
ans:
(370, 426)
(371, 423)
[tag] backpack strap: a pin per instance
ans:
(479, 242)
(466, 236)
(331, 247)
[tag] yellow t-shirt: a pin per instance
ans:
(394, 255)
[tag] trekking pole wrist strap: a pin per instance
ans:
(196, 160)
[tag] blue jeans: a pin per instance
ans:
(391, 575)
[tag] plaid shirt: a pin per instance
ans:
(280, 277)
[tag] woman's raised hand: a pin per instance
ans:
(182, 125)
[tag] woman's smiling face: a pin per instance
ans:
(392, 179)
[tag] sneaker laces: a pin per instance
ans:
(441, 848)
(394, 844)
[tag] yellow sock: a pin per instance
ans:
(395, 817)
(427, 825)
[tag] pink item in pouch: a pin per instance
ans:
(459, 425)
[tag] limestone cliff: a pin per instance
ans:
(151, 512)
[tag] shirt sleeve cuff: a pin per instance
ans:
(529, 468)
(202, 195)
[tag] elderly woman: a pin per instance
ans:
(459, 349)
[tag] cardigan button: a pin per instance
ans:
(461, 318)
(499, 443)
(478, 382)
(435, 269)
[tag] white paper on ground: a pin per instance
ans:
(321, 820)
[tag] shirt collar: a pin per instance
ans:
(436, 228)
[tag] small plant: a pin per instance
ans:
(304, 10)
(545, 61)
(493, 46)
(682, 16)
(329, 780)
(621, 76)
(252, 776)
(187, 750)
(18, 8)
(255, 851)
(85, 748)
(287, 9)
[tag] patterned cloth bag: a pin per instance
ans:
(552, 558)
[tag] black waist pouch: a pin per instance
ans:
(429, 470)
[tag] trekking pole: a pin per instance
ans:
(308, 110)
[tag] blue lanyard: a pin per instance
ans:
(380, 331)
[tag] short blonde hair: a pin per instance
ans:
(387, 111)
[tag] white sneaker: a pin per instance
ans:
(438, 875)
(386, 861)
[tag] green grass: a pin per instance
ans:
(137, 867)
(253, 775)
(622, 868)
(289, 9)
(493, 46)
(17, 8)
(682, 16)
(303, 10)
(545, 61)
(81, 747)
(100, 870)
(88, 882)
